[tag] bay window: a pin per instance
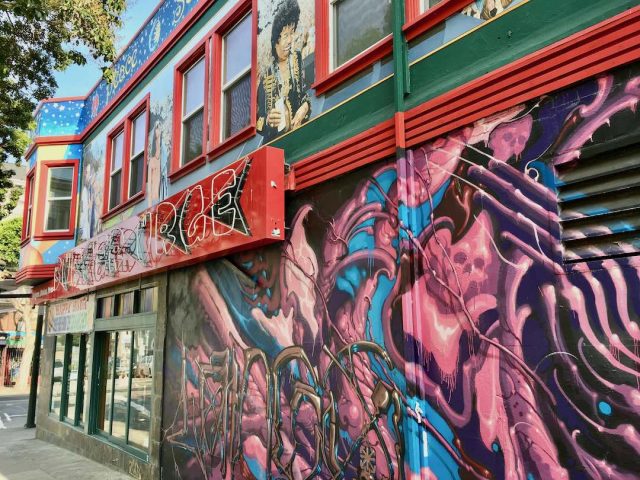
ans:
(59, 196)
(28, 210)
(54, 214)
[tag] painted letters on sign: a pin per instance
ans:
(239, 207)
(70, 316)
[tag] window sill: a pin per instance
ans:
(24, 241)
(123, 206)
(231, 142)
(69, 235)
(354, 66)
(188, 168)
(432, 17)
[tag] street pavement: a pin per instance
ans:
(22, 457)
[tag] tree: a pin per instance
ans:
(38, 37)
(10, 232)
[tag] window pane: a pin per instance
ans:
(117, 150)
(138, 137)
(141, 389)
(60, 182)
(121, 390)
(359, 24)
(237, 50)
(59, 215)
(106, 380)
(83, 377)
(135, 182)
(192, 137)
(237, 106)
(72, 378)
(105, 307)
(126, 303)
(148, 299)
(430, 3)
(193, 88)
(114, 190)
(58, 370)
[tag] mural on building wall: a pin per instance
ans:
(286, 66)
(92, 183)
(418, 321)
(487, 9)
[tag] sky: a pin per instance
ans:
(76, 81)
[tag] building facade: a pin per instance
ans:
(347, 239)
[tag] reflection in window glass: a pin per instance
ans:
(192, 135)
(126, 303)
(73, 368)
(60, 188)
(358, 24)
(106, 365)
(141, 389)
(84, 378)
(236, 82)
(193, 112)
(58, 371)
(121, 385)
(148, 300)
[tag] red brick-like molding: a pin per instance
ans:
(607, 45)
(35, 274)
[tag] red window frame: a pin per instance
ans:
(27, 214)
(237, 14)
(200, 51)
(326, 78)
(126, 127)
(418, 23)
(43, 196)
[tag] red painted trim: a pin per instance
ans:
(201, 50)
(326, 79)
(230, 20)
(420, 22)
(399, 129)
(51, 141)
(35, 274)
(597, 49)
(590, 52)
(39, 209)
(367, 147)
(28, 196)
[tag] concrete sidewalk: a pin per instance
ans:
(22, 457)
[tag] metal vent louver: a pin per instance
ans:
(599, 203)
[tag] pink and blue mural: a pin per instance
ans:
(421, 320)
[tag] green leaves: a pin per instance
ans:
(38, 37)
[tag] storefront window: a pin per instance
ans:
(58, 371)
(69, 377)
(124, 402)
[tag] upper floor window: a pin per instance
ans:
(357, 25)
(59, 199)
(115, 176)
(136, 153)
(28, 211)
(427, 4)
(193, 112)
(236, 79)
(126, 155)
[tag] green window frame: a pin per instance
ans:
(69, 379)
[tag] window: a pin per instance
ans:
(69, 382)
(236, 78)
(136, 153)
(125, 376)
(193, 112)
(59, 198)
(115, 180)
(427, 4)
(356, 26)
(126, 159)
(28, 211)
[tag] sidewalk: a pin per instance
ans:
(22, 457)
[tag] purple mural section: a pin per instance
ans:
(421, 320)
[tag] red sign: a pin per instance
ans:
(239, 207)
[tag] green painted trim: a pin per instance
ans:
(402, 79)
(526, 29)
